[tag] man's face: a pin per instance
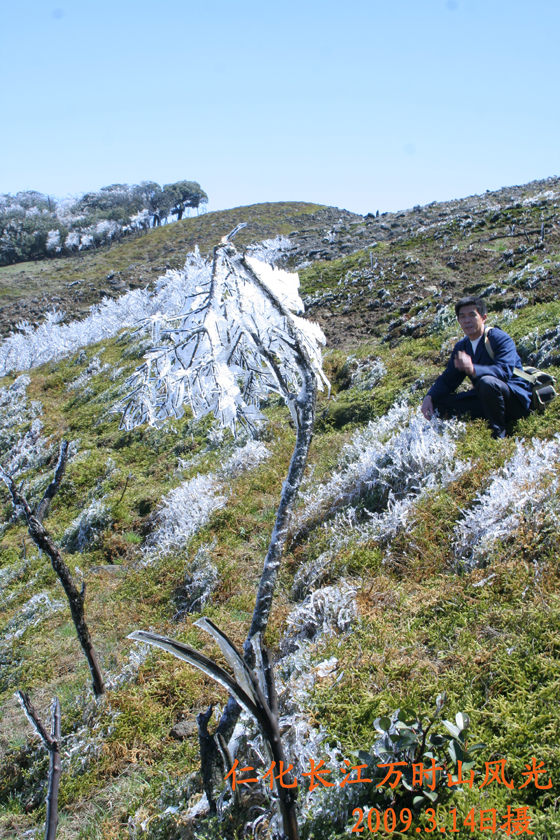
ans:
(471, 321)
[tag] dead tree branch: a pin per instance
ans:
(43, 508)
(44, 542)
(52, 743)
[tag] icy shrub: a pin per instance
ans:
(540, 350)
(524, 487)
(14, 411)
(244, 459)
(189, 507)
(201, 578)
(530, 276)
(94, 368)
(398, 455)
(27, 452)
(128, 672)
(32, 613)
(184, 511)
(505, 317)
(87, 526)
(445, 321)
(387, 467)
(8, 576)
(366, 374)
(331, 609)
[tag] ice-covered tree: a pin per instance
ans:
(237, 339)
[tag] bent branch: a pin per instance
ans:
(44, 542)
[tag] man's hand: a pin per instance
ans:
(464, 363)
(427, 408)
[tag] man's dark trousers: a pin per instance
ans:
(492, 400)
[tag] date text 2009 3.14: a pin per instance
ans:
(514, 822)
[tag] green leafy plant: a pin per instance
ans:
(429, 758)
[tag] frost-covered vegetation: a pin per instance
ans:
(34, 226)
(524, 490)
(189, 507)
(395, 457)
(33, 345)
(423, 560)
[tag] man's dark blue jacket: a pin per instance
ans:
(505, 360)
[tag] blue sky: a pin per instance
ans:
(364, 104)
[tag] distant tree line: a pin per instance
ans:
(35, 226)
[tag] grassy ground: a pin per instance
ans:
(488, 638)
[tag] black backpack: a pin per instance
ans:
(542, 384)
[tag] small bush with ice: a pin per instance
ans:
(401, 454)
(245, 459)
(87, 526)
(525, 487)
(201, 578)
(184, 511)
(541, 350)
(94, 368)
(189, 507)
(329, 610)
(19, 452)
(37, 608)
(366, 374)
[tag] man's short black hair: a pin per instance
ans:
(477, 302)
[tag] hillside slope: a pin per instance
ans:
(423, 557)
(74, 283)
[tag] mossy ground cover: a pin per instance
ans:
(488, 638)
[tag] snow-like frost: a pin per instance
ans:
(367, 374)
(129, 670)
(541, 349)
(87, 526)
(14, 412)
(35, 610)
(183, 512)
(398, 455)
(244, 459)
(28, 451)
(201, 578)
(189, 507)
(395, 460)
(524, 487)
(94, 368)
(329, 610)
(51, 340)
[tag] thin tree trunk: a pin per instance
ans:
(306, 421)
(55, 771)
(52, 743)
(210, 755)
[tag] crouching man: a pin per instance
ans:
(497, 394)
